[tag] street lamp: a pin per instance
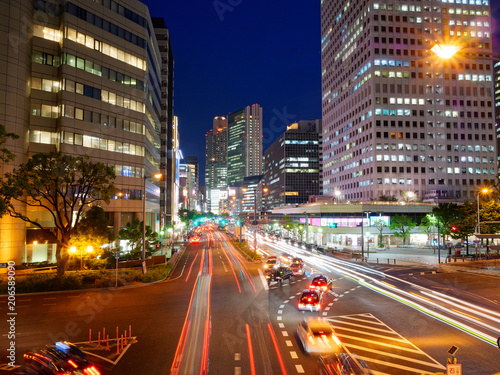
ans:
(157, 176)
(362, 234)
(445, 51)
(484, 191)
(337, 194)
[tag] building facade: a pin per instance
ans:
(216, 154)
(395, 116)
(83, 78)
(192, 162)
(169, 131)
(244, 144)
(292, 165)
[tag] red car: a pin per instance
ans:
(195, 239)
(320, 283)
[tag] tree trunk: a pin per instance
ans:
(62, 259)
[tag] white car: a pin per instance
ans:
(272, 262)
(318, 336)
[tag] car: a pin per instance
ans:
(195, 239)
(320, 250)
(318, 336)
(341, 364)
(310, 300)
(272, 262)
(279, 274)
(298, 269)
(63, 358)
(321, 283)
(286, 258)
(297, 261)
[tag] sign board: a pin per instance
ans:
(3, 265)
(455, 369)
(191, 221)
(117, 255)
(223, 195)
(453, 350)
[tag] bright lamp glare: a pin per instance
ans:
(445, 51)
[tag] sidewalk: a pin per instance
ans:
(414, 256)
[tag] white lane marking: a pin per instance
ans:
(325, 314)
(288, 343)
(294, 355)
(280, 311)
(237, 356)
(300, 369)
(237, 371)
(264, 281)
(282, 306)
(327, 308)
(284, 333)
(298, 294)
(278, 318)
(49, 297)
(286, 301)
(330, 304)
(281, 325)
(409, 359)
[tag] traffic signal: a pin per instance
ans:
(238, 222)
(454, 229)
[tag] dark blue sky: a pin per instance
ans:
(233, 53)
(256, 51)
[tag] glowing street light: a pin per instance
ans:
(481, 191)
(445, 51)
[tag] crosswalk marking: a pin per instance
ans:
(387, 354)
(380, 346)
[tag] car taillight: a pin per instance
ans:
(72, 363)
(91, 371)
(309, 299)
(301, 305)
(312, 286)
(316, 305)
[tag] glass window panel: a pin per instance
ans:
(78, 139)
(36, 83)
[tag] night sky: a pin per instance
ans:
(233, 53)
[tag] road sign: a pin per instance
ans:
(453, 350)
(117, 255)
(454, 369)
(191, 221)
(3, 265)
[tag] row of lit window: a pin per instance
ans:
(479, 34)
(90, 42)
(431, 147)
(104, 95)
(106, 49)
(101, 71)
(300, 170)
(459, 77)
(43, 84)
(96, 118)
(465, 2)
(45, 137)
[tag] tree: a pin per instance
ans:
(427, 224)
(379, 224)
(301, 230)
(93, 230)
(386, 198)
(132, 233)
(62, 185)
(5, 154)
(409, 196)
(401, 225)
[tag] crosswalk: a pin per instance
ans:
(384, 350)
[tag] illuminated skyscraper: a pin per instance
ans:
(395, 116)
(85, 77)
(244, 144)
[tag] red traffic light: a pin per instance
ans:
(454, 228)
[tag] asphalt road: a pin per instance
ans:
(216, 315)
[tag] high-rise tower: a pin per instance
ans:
(396, 117)
(244, 143)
